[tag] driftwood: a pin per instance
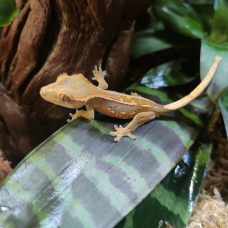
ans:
(49, 37)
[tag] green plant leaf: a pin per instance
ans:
(173, 73)
(219, 83)
(8, 10)
(219, 30)
(174, 198)
(179, 17)
(146, 42)
(223, 103)
(80, 174)
(206, 14)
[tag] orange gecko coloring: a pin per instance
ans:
(76, 91)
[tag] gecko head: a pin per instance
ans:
(62, 92)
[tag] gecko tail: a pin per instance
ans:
(198, 90)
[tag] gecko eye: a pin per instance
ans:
(64, 98)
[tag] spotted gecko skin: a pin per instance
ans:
(76, 91)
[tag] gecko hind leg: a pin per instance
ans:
(138, 120)
(99, 76)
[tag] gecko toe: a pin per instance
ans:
(117, 139)
(132, 136)
(113, 133)
(115, 127)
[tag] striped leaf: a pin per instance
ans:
(174, 198)
(80, 178)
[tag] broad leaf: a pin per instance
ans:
(219, 83)
(179, 17)
(79, 174)
(147, 42)
(173, 73)
(219, 30)
(8, 10)
(174, 198)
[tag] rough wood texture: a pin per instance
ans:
(49, 37)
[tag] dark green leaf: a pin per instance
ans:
(205, 13)
(223, 103)
(173, 73)
(219, 83)
(8, 10)
(147, 42)
(219, 31)
(179, 17)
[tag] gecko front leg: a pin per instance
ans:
(89, 114)
(138, 120)
(99, 76)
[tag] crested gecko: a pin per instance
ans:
(76, 91)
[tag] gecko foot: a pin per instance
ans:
(99, 76)
(120, 132)
(74, 116)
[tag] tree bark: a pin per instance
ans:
(47, 38)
